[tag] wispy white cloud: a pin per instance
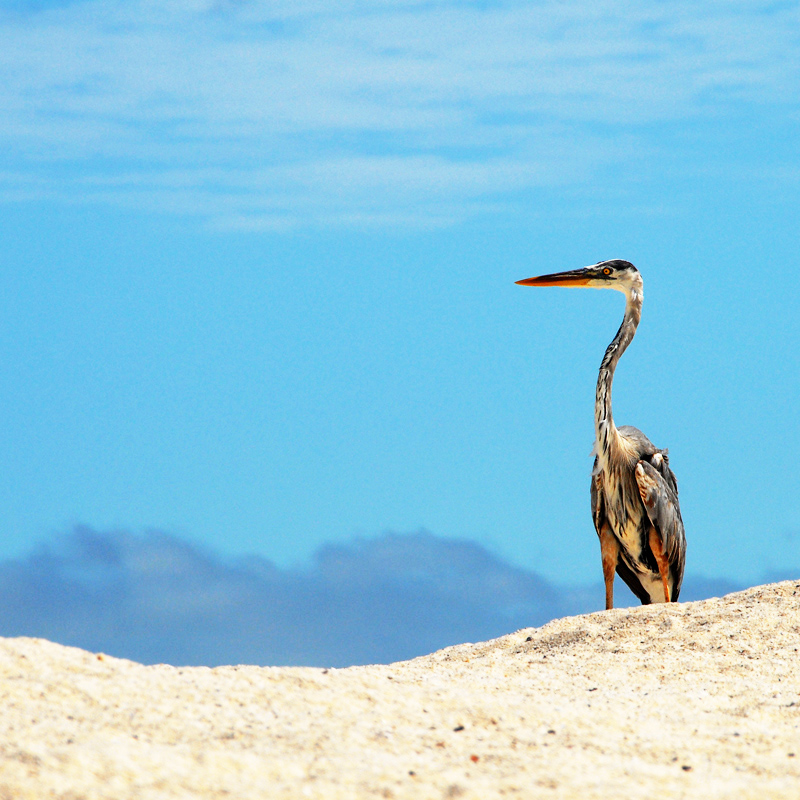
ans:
(267, 113)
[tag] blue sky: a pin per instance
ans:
(258, 265)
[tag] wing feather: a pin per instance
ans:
(659, 492)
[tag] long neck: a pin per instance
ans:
(605, 430)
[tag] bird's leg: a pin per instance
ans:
(609, 552)
(657, 546)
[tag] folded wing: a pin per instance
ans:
(659, 492)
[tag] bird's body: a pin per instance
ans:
(634, 494)
(623, 521)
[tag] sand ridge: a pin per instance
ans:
(696, 700)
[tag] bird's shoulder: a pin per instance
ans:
(642, 449)
(637, 441)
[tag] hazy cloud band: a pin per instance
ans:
(156, 598)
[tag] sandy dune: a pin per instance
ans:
(696, 700)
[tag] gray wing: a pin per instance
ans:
(659, 491)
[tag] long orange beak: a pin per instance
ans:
(575, 277)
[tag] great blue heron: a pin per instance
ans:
(634, 492)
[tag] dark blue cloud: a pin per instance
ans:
(156, 598)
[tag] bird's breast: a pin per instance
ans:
(625, 513)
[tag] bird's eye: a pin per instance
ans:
(606, 271)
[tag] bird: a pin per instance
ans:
(634, 493)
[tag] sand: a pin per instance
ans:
(694, 700)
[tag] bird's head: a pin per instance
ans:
(613, 274)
